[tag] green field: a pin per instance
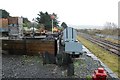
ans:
(111, 60)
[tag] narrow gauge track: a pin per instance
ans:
(114, 48)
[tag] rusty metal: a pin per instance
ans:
(29, 46)
(3, 23)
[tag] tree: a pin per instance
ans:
(64, 25)
(4, 14)
(55, 22)
(110, 29)
(26, 22)
(45, 19)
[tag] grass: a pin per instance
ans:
(28, 59)
(112, 40)
(88, 78)
(111, 60)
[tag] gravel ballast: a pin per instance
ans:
(24, 66)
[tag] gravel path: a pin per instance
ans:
(23, 66)
(85, 66)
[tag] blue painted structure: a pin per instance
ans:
(72, 46)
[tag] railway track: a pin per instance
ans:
(109, 42)
(113, 48)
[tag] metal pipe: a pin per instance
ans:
(52, 26)
(33, 28)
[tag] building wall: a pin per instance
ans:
(3, 24)
(15, 26)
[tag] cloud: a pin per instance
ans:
(75, 12)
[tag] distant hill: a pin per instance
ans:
(85, 26)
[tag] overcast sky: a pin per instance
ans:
(73, 12)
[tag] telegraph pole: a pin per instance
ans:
(33, 27)
(52, 17)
